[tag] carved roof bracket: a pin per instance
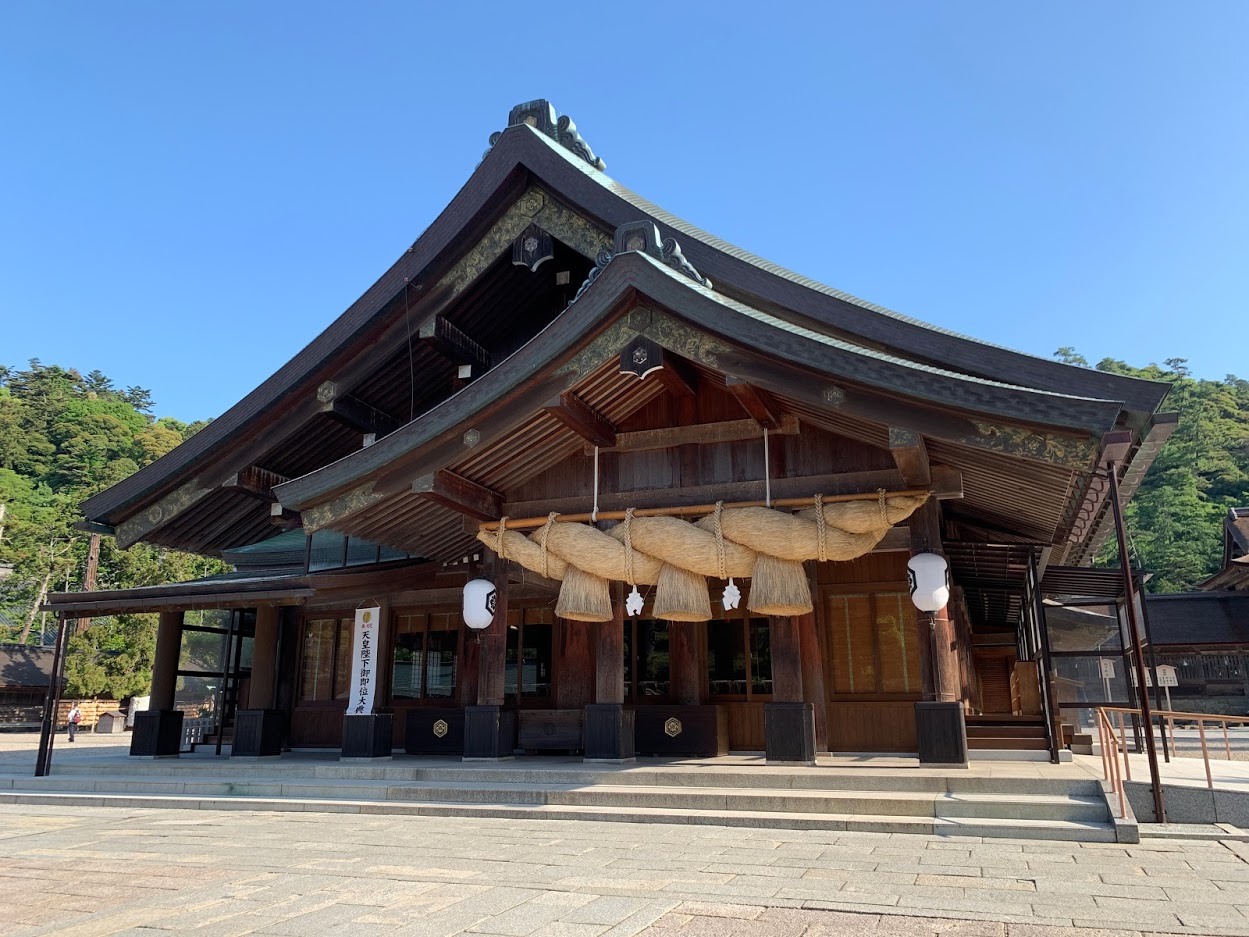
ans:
(540, 115)
(643, 237)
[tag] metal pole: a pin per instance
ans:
(1138, 656)
(51, 703)
(1153, 665)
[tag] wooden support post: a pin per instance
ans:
(264, 658)
(165, 664)
(686, 676)
(609, 658)
(489, 730)
(813, 677)
(940, 723)
(788, 722)
(608, 727)
(494, 639)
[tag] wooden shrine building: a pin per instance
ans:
(554, 344)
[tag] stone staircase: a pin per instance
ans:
(955, 803)
(1006, 733)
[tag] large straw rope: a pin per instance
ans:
(762, 543)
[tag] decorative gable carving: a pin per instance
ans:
(540, 115)
(643, 237)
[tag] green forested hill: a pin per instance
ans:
(65, 436)
(1176, 516)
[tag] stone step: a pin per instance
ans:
(575, 774)
(1078, 830)
(625, 797)
(1007, 743)
(1006, 732)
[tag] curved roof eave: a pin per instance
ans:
(799, 349)
(520, 148)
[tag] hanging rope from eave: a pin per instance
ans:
(594, 510)
(767, 471)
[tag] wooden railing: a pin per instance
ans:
(1107, 716)
(1110, 763)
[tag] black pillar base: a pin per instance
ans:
(157, 733)
(257, 733)
(369, 736)
(608, 732)
(789, 732)
(489, 732)
(941, 731)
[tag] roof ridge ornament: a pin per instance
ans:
(540, 115)
(643, 237)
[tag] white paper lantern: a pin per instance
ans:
(930, 581)
(479, 602)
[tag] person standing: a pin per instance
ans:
(75, 717)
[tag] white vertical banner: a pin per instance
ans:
(363, 671)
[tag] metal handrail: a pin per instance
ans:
(1110, 764)
(1170, 717)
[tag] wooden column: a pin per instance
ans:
(489, 729)
(609, 655)
(608, 726)
(813, 676)
(686, 675)
(165, 664)
(493, 651)
(940, 725)
(786, 660)
(264, 658)
(788, 721)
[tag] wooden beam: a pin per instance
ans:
(757, 403)
(699, 434)
(353, 412)
(910, 455)
(582, 419)
(458, 493)
(452, 343)
(255, 482)
(947, 483)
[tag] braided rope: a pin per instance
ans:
(884, 508)
(546, 532)
(498, 541)
(821, 529)
(628, 547)
(720, 542)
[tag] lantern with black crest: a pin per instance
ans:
(480, 598)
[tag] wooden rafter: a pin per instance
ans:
(910, 455)
(460, 494)
(453, 344)
(255, 482)
(353, 412)
(761, 407)
(582, 419)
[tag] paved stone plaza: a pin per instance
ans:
(96, 871)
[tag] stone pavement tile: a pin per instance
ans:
(641, 919)
(1101, 889)
(895, 926)
(1042, 930)
(718, 909)
(534, 915)
(742, 886)
(605, 909)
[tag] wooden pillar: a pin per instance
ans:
(940, 724)
(786, 659)
(813, 676)
(684, 672)
(493, 651)
(608, 727)
(165, 664)
(609, 657)
(264, 658)
(788, 721)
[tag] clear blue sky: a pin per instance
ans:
(192, 191)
